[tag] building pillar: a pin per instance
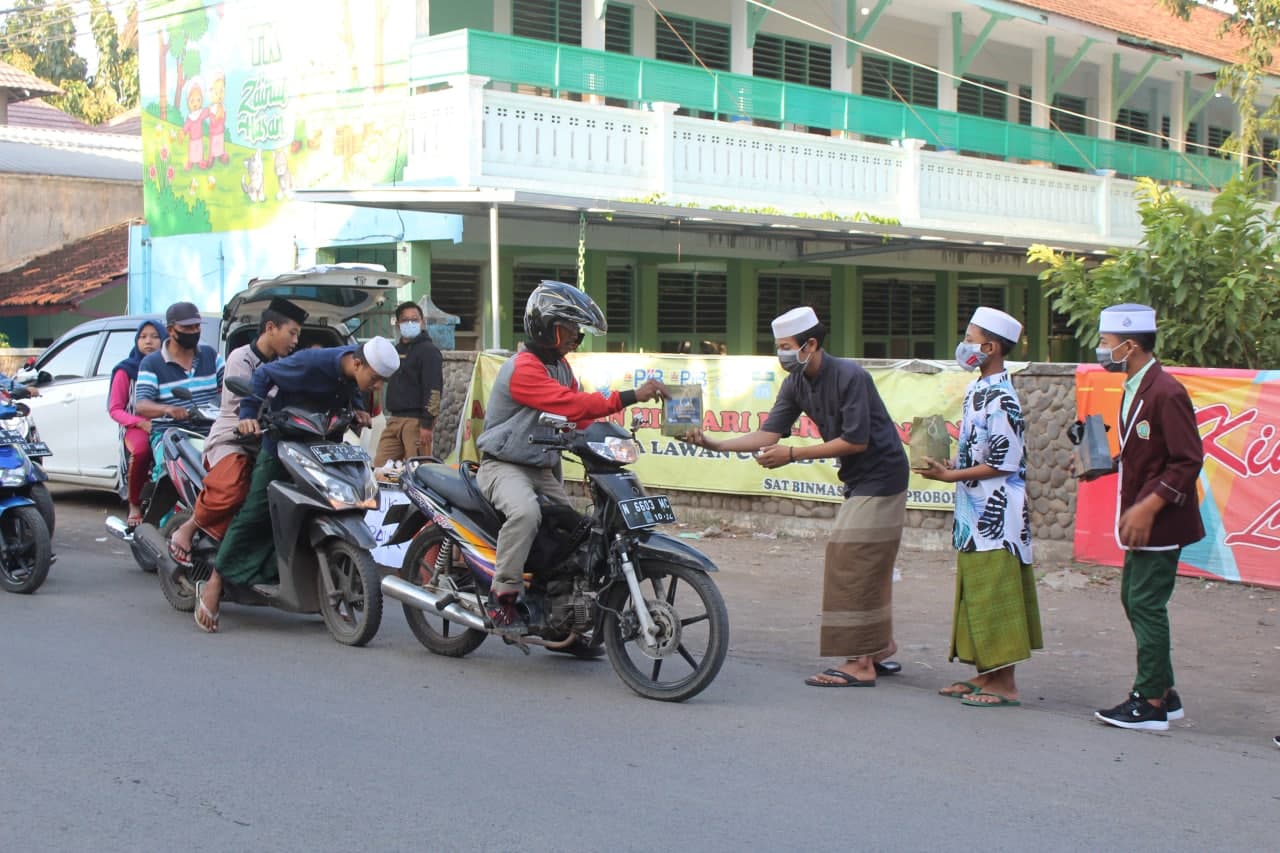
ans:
(844, 326)
(1041, 62)
(506, 294)
(646, 307)
(1036, 322)
(741, 57)
(644, 34)
(1106, 99)
(948, 94)
(595, 269)
(414, 258)
(946, 315)
(744, 302)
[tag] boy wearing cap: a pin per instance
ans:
(1159, 463)
(182, 361)
(839, 396)
(320, 380)
(996, 622)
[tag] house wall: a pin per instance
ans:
(39, 213)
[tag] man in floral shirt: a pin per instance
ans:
(997, 617)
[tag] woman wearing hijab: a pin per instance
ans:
(137, 441)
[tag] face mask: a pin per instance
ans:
(790, 360)
(1107, 358)
(410, 329)
(187, 340)
(970, 356)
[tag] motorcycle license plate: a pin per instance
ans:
(36, 449)
(331, 454)
(647, 512)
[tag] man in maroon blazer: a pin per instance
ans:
(1159, 512)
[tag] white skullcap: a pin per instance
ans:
(1128, 319)
(381, 355)
(795, 322)
(997, 323)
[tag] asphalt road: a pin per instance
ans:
(126, 729)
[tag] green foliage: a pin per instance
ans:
(1213, 278)
(45, 33)
(173, 214)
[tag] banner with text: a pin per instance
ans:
(1239, 416)
(738, 392)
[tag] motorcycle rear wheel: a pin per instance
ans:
(437, 634)
(693, 638)
(24, 565)
(350, 589)
(181, 592)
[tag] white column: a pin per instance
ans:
(1105, 187)
(1040, 63)
(592, 27)
(909, 183)
(741, 57)
(1106, 107)
(661, 149)
(643, 32)
(947, 90)
(1178, 115)
(841, 76)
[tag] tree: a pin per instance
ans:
(1257, 23)
(46, 35)
(183, 31)
(1213, 278)
(117, 53)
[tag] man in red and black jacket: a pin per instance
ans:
(513, 472)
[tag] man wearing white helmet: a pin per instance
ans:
(313, 379)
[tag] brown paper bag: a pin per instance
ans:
(929, 440)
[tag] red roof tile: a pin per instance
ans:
(37, 113)
(62, 279)
(1148, 20)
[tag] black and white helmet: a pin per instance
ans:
(555, 302)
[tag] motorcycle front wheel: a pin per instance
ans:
(25, 551)
(44, 504)
(436, 633)
(350, 593)
(692, 639)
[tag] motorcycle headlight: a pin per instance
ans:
(624, 451)
(19, 425)
(339, 494)
(13, 477)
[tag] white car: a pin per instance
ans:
(74, 373)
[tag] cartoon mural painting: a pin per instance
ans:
(242, 83)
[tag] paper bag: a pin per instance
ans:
(1093, 453)
(929, 440)
(683, 410)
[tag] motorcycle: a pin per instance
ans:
(168, 499)
(26, 508)
(604, 578)
(317, 518)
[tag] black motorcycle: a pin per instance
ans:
(604, 578)
(317, 518)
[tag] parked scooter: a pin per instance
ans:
(26, 508)
(604, 578)
(317, 514)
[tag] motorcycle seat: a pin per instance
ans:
(179, 444)
(457, 486)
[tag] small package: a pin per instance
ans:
(929, 440)
(1093, 453)
(683, 411)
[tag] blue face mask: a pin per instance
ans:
(410, 329)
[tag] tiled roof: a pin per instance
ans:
(73, 153)
(19, 82)
(37, 113)
(62, 279)
(128, 123)
(1148, 20)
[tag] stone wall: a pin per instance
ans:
(1047, 393)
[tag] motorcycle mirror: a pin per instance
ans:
(637, 421)
(182, 393)
(239, 386)
(44, 377)
(22, 408)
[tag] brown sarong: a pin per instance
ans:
(857, 590)
(225, 488)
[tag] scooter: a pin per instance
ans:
(26, 551)
(317, 518)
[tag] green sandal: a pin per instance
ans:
(973, 688)
(1002, 701)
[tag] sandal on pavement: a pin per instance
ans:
(845, 680)
(888, 667)
(1001, 701)
(960, 694)
(180, 555)
(205, 618)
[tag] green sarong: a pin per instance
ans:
(997, 616)
(248, 551)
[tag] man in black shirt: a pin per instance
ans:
(840, 398)
(413, 394)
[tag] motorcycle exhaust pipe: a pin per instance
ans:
(119, 529)
(425, 599)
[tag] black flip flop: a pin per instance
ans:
(888, 667)
(847, 679)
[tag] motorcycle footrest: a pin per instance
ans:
(446, 601)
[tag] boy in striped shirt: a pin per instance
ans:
(182, 361)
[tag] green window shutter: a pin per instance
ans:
(778, 293)
(549, 20)
(975, 100)
(970, 296)
(1217, 136)
(1024, 106)
(791, 60)
(455, 288)
(709, 40)
(691, 302)
(619, 293)
(1131, 122)
(617, 28)
(1068, 123)
(898, 81)
(525, 280)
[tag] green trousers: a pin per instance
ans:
(248, 551)
(1146, 585)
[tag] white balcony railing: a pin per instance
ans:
(470, 135)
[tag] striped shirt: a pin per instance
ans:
(159, 374)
